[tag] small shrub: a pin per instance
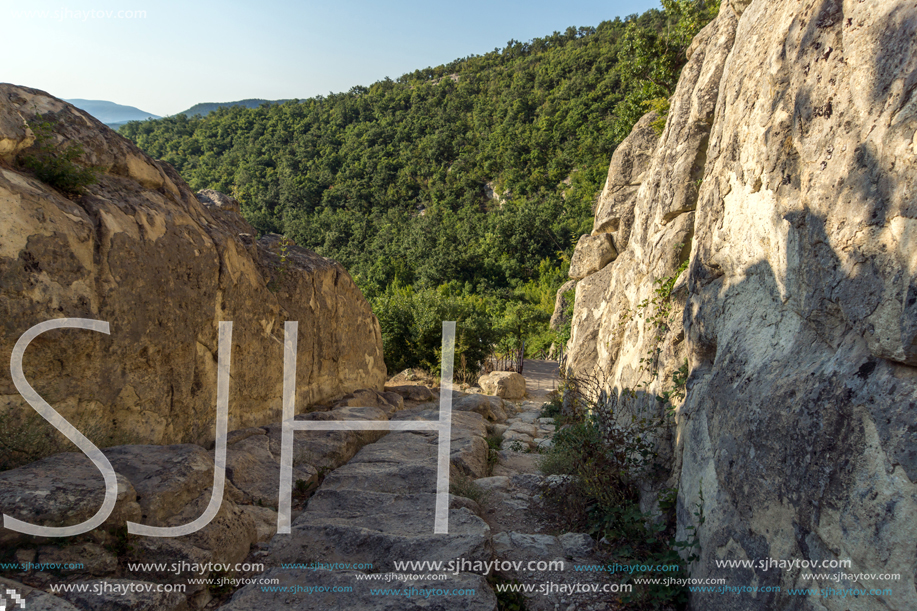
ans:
(121, 546)
(507, 600)
(493, 451)
(302, 491)
(661, 106)
(608, 448)
(465, 486)
(54, 166)
(219, 583)
(283, 267)
(552, 408)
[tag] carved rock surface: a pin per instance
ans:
(629, 165)
(802, 307)
(140, 251)
(559, 317)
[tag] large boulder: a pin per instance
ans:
(412, 392)
(503, 384)
(140, 251)
(254, 470)
(491, 408)
(166, 478)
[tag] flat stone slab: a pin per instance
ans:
(522, 546)
(529, 417)
(320, 591)
(393, 477)
(61, 490)
(124, 595)
(327, 450)
(167, 478)
(525, 428)
(380, 528)
(254, 470)
(468, 451)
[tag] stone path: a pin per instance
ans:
(373, 505)
(541, 377)
(378, 509)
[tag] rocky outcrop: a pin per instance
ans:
(61, 490)
(593, 252)
(801, 315)
(559, 317)
(141, 251)
(784, 181)
(629, 165)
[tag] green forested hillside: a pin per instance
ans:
(395, 180)
(205, 108)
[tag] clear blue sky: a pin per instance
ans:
(182, 53)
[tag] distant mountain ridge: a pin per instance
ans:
(110, 113)
(205, 108)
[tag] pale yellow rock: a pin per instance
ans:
(139, 251)
(503, 384)
(592, 253)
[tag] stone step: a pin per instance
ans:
(388, 529)
(377, 509)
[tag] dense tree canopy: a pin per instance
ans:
(469, 181)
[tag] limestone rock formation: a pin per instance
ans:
(785, 178)
(140, 251)
(629, 164)
(491, 408)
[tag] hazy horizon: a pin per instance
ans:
(164, 57)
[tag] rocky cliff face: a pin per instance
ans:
(787, 178)
(140, 251)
